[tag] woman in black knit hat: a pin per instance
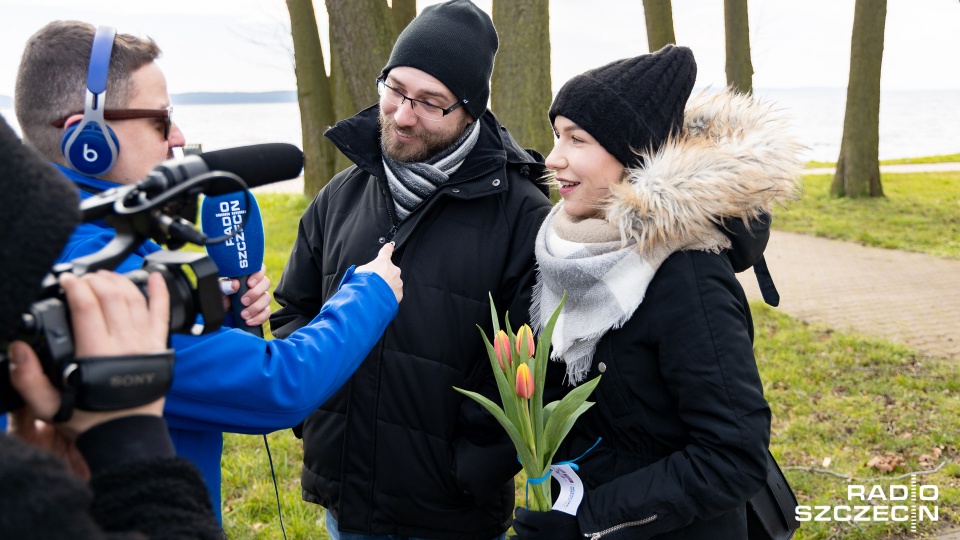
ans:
(677, 440)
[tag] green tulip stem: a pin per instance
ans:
(528, 426)
(539, 498)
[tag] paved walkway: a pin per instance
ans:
(953, 534)
(909, 298)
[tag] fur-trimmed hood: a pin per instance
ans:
(734, 159)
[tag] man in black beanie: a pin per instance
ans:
(397, 452)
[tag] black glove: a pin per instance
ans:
(552, 525)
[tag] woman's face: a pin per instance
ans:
(584, 169)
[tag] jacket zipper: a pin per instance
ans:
(393, 219)
(644, 521)
(391, 233)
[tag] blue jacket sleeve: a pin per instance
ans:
(89, 238)
(233, 381)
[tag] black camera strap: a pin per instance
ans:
(109, 383)
(68, 398)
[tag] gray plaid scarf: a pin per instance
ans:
(604, 277)
(411, 183)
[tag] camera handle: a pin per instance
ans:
(114, 382)
(111, 255)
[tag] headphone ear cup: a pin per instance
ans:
(90, 153)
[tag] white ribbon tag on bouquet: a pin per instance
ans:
(571, 489)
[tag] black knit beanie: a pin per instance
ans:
(632, 104)
(454, 42)
(40, 211)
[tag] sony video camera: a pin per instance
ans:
(159, 207)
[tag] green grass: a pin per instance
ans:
(945, 158)
(281, 218)
(833, 396)
(920, 212)
(847, 399)
(249, 498)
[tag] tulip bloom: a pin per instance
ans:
(525, 386)
(501, 347)
(535, 431)
(525, 336)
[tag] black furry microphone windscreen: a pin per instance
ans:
(38, 212)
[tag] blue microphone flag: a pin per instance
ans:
(220, 215)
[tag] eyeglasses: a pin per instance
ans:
(421, 108)
(130, 114)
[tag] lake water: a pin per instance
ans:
(912, 123)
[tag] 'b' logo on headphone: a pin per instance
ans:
(89, 154)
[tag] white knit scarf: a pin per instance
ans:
(605, 279)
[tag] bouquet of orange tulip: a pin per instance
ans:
(536, 429)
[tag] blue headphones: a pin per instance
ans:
(90, 146)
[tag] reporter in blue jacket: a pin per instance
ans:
(228, 380)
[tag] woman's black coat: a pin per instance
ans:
(679, 409)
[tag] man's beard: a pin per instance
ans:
(425, 145)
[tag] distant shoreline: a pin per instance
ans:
(211, 98)
(290, 96)
(229, 98)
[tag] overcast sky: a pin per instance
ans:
(243, 45)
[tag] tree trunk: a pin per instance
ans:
(521, 89)
(858, 168)
(361, 37)
(659, 17)
(313, 96)
(362, 31)
(401, 13)
(344, 105)
(737, 30)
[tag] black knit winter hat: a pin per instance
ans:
(454, 42)
(631, 104)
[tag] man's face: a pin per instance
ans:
(142, 146)
(407, 137)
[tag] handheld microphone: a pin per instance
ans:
(256, 164)
(241, 255)
(175, 180)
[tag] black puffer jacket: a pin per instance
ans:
(397, 450)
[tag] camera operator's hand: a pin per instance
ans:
(257, 299)
(383, 266)
(110, 317)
